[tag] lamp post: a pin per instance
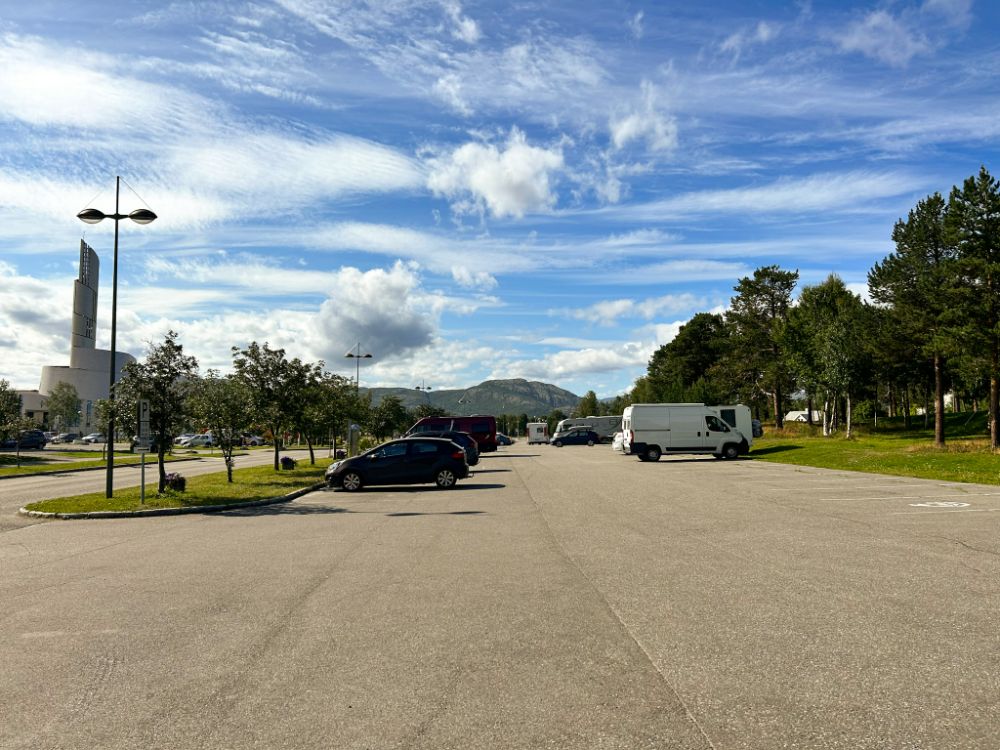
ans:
(422, 387)
(357, 356)
(94, 216)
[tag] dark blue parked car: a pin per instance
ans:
(575, 436)
(405, 461)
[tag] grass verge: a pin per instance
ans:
(907, 455)
(255, 483)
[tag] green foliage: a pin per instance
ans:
(64, 407)
(222, 405)
(277, 388)
(387, 418)
(756, 365)
(10, 410)
(589, 406)
(164, 378)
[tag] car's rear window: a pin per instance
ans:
(427, 447)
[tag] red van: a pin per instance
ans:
(483, 427)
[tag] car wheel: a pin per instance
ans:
(558, 444)
(730, 451)
(351, 481)
(653, 453)
(445, 479)
(590, 442)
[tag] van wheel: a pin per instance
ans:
(653, 453)
(730, 451)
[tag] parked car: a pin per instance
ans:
(413, 460)
(181, 438)
(757, 428)
(29, 440)
(504, 440)
(66, 437)
(575, 436)
(94, 437)
(253, 440)
(464, 439)
(49, 436)
(197, 441)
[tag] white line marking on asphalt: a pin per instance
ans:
(943, 504)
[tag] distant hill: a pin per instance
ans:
(517, 396)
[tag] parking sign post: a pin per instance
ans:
(142, 444)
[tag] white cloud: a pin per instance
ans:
(737, 42)
(473, 279)
(464, 28)
(646, 123)
(845, 191)
(509, 181)
(884, 37)
(607, 312)
(635, 25)
(571, 363)
(955, 13)
(675, 272)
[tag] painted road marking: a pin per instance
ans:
(939, 505)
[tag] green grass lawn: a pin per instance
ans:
(256, 483)
(891, 449)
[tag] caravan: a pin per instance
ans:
(538, 432)
(650, 430)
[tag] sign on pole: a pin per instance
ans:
(143, 419)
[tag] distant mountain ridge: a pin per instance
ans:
(515, 396)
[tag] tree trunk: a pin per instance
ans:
(779, 418)
(907, 417)
(826, 416)
(161, 463)
(312, 456)
(938, 401)
(809, 410)
(994, 402)
(848, 414)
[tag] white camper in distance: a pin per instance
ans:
(538, 432)
(650, 430)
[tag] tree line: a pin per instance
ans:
(933, 327)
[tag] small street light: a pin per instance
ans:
(422, 387)
(95, 216)
(357, 356)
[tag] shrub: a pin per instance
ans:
(287, 462)
(175, 482)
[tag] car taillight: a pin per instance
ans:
(458, 455)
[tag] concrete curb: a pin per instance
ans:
(172, 511)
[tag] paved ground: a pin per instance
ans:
(560, 598)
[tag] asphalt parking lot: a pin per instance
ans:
(560, 598)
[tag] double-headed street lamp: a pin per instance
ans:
(357, 356)
(94, 216)
(422, 387)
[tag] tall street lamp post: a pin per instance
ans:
(94, 216)
(357, 356)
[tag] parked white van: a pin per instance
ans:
(538, 432)
(650, 430)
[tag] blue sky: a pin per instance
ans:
(471, 190)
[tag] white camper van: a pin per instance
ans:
(650, 430)
(538, 432)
